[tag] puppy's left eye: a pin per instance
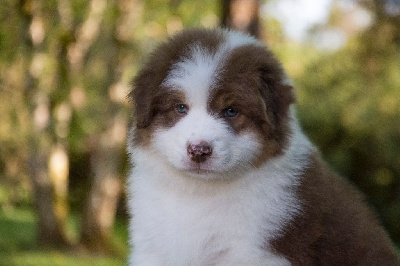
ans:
(182, 108)
(230, 112)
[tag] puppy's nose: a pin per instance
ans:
(199, 152)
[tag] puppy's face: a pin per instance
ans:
(212, 103)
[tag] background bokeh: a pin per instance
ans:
(65, 69)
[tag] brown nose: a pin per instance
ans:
(199, 152)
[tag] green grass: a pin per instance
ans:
(56, 258)
(18, 244)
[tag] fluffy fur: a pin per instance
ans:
(223, 174)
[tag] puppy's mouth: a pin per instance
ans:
(200, 169)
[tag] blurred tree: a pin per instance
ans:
(48, 162)
(108, 143)
(242, 15)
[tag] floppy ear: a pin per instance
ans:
(141, 96)
(276, 92)
(278, 95)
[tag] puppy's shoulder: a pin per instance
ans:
(334, 223)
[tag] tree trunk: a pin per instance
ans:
(242, 15)
(49, 187)
(99, 215)
(51, 215)
(108, 152)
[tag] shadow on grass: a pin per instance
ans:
(18, 245)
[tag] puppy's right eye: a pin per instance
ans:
(182, 108)
(230, 112)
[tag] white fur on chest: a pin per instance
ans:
(180, 220)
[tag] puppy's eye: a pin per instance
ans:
(230, 112)
(182, 108)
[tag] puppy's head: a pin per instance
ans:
(212, 103)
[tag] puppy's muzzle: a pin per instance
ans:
(199, 152)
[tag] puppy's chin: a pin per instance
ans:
(206, 170)
(202, 173)
(208, 175)
(210, 170)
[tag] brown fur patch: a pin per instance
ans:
(335, 227)
(165, 112)
(252, 81)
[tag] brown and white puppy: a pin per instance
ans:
(223, 174)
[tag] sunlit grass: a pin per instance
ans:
(43, 258)
(18, 244)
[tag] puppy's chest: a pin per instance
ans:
(222, 227)
(207, 226)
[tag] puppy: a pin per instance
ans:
(223, 174)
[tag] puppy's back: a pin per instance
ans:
(335, 226)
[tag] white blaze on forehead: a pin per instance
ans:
(197, 74)
(194, 75)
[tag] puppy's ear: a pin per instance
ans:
(277, 93)
(141, 96)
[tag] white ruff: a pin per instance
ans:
(181, 220)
